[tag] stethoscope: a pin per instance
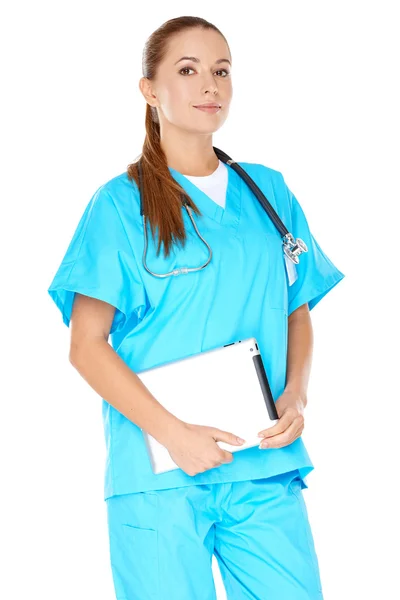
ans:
(292, 248)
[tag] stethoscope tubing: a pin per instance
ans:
(291, 247)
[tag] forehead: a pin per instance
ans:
(206, 44)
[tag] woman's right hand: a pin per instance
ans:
(195, 450)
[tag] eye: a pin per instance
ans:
(185, 69)
(219, 71)
(223, 70)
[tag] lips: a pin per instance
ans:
(210, 108)
(208, 105)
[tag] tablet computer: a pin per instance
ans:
(226, 387)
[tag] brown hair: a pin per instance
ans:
(161, 193)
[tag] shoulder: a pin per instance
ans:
(119, 194)
(259, 168)
(120, 184)
(264, 174)
(271, 182)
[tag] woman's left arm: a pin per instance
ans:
(300, 347)
(291, 404)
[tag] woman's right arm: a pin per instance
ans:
(106, 372)
(192, 447)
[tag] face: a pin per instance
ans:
(181, 85)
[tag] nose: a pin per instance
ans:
(211, 89)
(211, 86)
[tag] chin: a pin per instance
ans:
(203, 130)
(209, 128)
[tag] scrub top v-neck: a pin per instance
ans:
(226, 217)
(214, 185)
(243, 292)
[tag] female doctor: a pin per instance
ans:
(247, 509)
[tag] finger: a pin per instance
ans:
(285, 438)
(227, 456)
(283, 423)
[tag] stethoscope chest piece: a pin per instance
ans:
(292, 248)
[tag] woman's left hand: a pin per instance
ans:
(290, 409)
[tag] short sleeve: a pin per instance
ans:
(316, 273)
(99, 262)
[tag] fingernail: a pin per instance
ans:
(263, 445)
(240, 440)
(260, 435)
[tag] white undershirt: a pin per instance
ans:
(214, 185)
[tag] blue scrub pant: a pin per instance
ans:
(162, 542)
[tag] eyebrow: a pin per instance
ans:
(194, 59)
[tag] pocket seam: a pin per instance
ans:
(154, 542)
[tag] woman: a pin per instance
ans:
(247, 510)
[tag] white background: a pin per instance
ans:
(315, 97)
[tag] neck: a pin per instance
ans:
(188, 153)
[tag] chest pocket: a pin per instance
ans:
(278, 281)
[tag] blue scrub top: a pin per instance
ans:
(243, 292)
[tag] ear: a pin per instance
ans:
(147, 90)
